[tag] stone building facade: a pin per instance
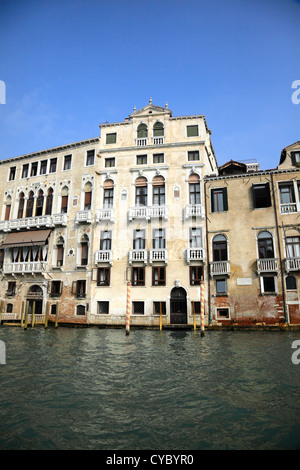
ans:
(146, 203)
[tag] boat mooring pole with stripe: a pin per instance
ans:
(128, 308)
(202, 306)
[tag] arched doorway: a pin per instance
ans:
(35, 296)
(178, 309)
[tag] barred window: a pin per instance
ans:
(103, 307)
(159, 307)
(138, 308)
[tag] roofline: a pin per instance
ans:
(52, 149)
(252, 173)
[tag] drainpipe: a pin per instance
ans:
(279, 251)
(207, 255)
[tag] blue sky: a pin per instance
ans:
(70, 65)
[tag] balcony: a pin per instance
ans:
(289, 208)
(142, 141)
(103, 256)
(219, 268)
(138, 256)
(158, 140)
(148, 212)
(292, 264)
(194, 210)
(105, 215)
(158, 254)
(24, 267)
(83, 217)
(195, 254)
(267, 265)
(59, 219)
(27, 222)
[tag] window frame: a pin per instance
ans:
(216, 202)
(108, 136)
(90, 157)
(161, 280)
(140, 281)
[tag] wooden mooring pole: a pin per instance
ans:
(194, 315)
(56, 315)
(1, 308)
(46, 315)
(32, 315)
(128, 308)
(22, 314)
(160, 316)
(202, 306)
(26, 314)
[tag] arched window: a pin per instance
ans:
(158, 129)
(21, 206)
(220, 248)
(49, 201)
(141, 191)
(29, 206)
(291, 283)
(64, 200)
(158, 184)
(80, 310)
(60, 252)
(108, 197)
(142, 131)
(9, 308)
(39, 203)
(265, 245)
(7, 208)
(84, 250)
(194, 189)
(87, 197)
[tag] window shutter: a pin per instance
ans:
(74, 287)
(225, 200)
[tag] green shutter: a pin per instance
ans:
(192, 131)
(111, 138)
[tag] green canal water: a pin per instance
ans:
(71, 388)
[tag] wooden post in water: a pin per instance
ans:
(46, 315)
(202, 306)
(22, 314)
(160, 316)
(56, 315)
(32, 315)
(194, 315)
(128, 308)
(26, 314)
(1, 308)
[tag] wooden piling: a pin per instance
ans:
(160, 316)
(128, 308)
(202, 306)
(194, 315)
(26, 314)
(56, 315)
(1, 308)
(32, 315)
(46, 315)
(22, 314)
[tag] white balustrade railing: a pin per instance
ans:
(103, 256)
(59, 219)
(219, 268)
(148, 212)
(193, 210)
(158, 254)
(267, 265)
(292, 264)
(137, 255)
(33, 222)
(288, 208)
(142, 141)
(158, 140)
(24, 267)
(105, 215)
(84, 216)
(195, 254)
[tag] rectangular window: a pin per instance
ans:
(103, 307)
(192, 131)
(287, 195)
(196, 275)
(103, 277)
(56, 288)
(158, 158)
(64, 204)
(261, 195)
(159, 241)
(159, 308)
(293, 247)
(139, 242)
(268, 284)
(110, 162)
(34, 167)
(196, 307)
(141, 196)
(87, 201)
(138, 308)
(295, 156)
(108, 199)
(221, 286)
(53, 163)
(90, 157)
(79, 288)
(105, 240)
(25, 170)
(193, 156)
(60, 255)
(138, 276)
(67, 162)
(223, 313)
(219, 200)
(111, 138)
(159, 276)
(195, 237)
(12, 173)
(141, 159)
(11, 289)
(43, 167)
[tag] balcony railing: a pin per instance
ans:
(195, 254)
(137, 255)
(288, 208)
(103, 256)
(218, 268)
(158, 140)
(158, 254)
(60, 219)
(84, 216)
(106, 215)
(24, 267)
(33, 222)
(267, 265)
(141, 142)
(194, 210)
(148, 212)
(292, 264)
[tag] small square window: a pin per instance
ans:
(159, 307)
(192, 131)
(103, 307)
(110, 162)
(193, 155)
(90, 157)
(80, 310)
(223, 313)
(111, 138)
(268, 284)
(138, 308)
(158, 158)
(141, 159)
